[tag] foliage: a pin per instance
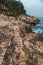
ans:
(12, 7)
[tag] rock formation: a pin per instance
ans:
(18, 44)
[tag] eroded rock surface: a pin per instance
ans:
(18, 45)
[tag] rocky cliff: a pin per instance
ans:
(18, 44)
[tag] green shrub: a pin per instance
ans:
(12, 7)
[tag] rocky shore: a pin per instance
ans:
(18, 44)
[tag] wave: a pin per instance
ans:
(39, 27)
(38, 30)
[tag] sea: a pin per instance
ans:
(39, 27)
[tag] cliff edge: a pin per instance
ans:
(18, 44)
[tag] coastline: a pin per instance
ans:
(19, 45)
(39, 27)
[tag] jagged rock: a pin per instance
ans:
(18, 44)
(29, 19)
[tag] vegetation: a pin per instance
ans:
(12, 7)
